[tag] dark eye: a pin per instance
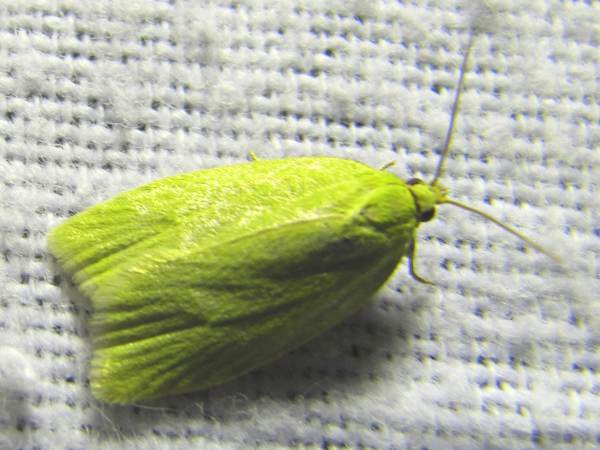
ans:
(427, 215)
(414, 181)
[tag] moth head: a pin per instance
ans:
(427, 197)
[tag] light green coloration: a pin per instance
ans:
(198, 278)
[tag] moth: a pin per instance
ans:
(196, 279)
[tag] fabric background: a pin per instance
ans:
(99, 97)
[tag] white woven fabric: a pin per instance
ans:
(98, 97)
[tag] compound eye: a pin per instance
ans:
(427, 215)
(414, 181)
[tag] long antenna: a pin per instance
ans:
(508, 228)
(440, 167)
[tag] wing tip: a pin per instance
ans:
(105, 387)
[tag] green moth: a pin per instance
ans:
(198, 278)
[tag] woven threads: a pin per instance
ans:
(98, 97)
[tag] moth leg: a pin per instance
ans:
(412, 250)
(388, 165)
(252, 156)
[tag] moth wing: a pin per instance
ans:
(200, 277)
(113, 232)
(175, 323)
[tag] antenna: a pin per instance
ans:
(463, 67)
(505, 227)
(443, 198)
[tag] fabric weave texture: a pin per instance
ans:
(99, 97)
